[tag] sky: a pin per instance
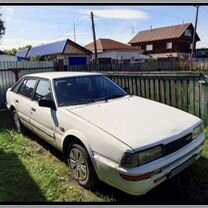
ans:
(37, 25)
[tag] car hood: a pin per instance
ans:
(136, 121)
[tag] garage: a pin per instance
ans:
(77, 61)
(66, 51)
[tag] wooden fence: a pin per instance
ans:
(11, 71)
(195, 65)
(147, 66)
(184, 90)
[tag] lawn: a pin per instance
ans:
(33, 171)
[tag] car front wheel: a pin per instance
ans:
(81, 166)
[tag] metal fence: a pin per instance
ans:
(11, 71)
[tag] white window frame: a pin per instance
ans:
(169, 45)
(149, 47)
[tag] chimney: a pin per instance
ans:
(151, 28)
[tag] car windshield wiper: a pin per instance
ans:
(86, 101)
(76, 102)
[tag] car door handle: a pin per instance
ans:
(17, 101)
(33, 109)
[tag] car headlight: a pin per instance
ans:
(131, 160)
(197, 131)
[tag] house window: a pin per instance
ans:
(169, 45)
(149, 47)
(132, 59)
(188, 33)
(120, 60)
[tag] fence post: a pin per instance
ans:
(16, 73)
(60, 65)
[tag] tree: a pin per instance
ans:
(37, 58)
(13, 51)
(10, 52)
(25, 47)
(2, 28)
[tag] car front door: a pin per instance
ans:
(43, 119)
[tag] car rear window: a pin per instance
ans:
(27, 87)
(17, 85)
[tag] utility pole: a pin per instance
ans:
(94, 36)
(132, 30)
(194, 35)
(74, 34)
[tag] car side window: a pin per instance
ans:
(27, 87)
(43, 90)
(16, 86)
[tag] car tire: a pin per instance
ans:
(81, 166)
(16, 124)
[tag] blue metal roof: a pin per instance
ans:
(47, 49)
(22, 53)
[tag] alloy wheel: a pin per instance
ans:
(78, 164)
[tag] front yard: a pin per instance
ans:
(33, 171)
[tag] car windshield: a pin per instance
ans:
(86, 89)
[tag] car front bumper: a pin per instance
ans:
(161, 169)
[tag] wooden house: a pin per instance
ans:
(164, 42)
(111, 51)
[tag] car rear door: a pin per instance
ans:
(22, 100)
(43, 119)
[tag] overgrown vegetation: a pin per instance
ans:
(13, 51)
(33, 171)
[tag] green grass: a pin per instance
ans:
(33, 171)
(29, 172)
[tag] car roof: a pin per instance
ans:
(56, 75)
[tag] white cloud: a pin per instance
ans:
(9, 43)
(127, 14)
(202, 31)
(203, 43)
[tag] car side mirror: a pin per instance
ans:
(47, 103)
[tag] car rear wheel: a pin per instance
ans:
(16, 123)
(81, 166)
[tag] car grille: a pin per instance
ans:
(177, 144)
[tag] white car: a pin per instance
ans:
(126, 141)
